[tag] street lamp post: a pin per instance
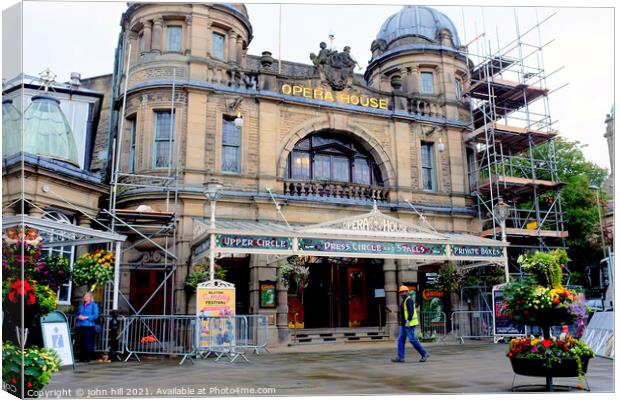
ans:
(213, 192)
(501, 212)
(600, 218)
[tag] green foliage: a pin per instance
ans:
(39, 365)
(545, 267)
(46, 298)
(452, 280)
(201, 274)
(449, 279)
(94, 269)
(294, 272)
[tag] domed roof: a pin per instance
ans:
(47, 132)
(11, 129)
(416, 21)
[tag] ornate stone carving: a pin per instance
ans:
(336, 66)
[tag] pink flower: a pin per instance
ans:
(534, 349)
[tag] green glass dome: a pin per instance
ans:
(11, 129)
(47, 132)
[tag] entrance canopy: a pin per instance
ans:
(371, 235)
(71, 235)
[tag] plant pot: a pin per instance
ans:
(567, 368)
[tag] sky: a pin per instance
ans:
(578, 45)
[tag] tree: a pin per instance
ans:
(578, 201)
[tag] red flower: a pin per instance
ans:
(556, 300)
(547, 343)
(14, 381)
(29, 384)
(510, 354)
(525, 312)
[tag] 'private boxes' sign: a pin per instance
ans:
(327, 95)
(477, 251)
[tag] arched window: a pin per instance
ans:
(335, 158)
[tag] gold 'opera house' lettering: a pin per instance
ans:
(326, 95)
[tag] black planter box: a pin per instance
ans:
(567, 368)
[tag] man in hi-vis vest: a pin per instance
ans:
(408, 321)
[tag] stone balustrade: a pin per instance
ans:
(335, 190)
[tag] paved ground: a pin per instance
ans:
(474, 367)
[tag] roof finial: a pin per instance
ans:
(48, 78)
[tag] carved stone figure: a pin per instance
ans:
(323, 55)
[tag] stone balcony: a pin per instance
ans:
(335, 190)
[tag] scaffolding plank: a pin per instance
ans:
(512, 187)
(513, 139)
(525, 232)
(494, 66)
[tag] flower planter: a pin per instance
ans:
(567, 368)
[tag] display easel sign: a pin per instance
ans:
(502, 324)
(56, 336)
(215, 299)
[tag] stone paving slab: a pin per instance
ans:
(475, 367)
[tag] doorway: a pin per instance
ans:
(341, 293)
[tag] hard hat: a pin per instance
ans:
(403, 288)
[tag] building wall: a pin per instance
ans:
(207, 89)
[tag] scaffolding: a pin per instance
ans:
(512, 154)
(144, 227)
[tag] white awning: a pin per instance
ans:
(370, 235)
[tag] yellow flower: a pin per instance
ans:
(534, 342)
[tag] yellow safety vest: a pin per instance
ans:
(414, 321)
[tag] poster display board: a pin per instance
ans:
(215, 301)
(267, 294)
(502, 325)
(56, 336)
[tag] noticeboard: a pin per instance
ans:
(502, 324)
(215, 302)
(56, 336)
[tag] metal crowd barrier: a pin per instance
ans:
(433, 325)
(221, 336)
(103, 340)
(158, 335)
(472, 324)
(187, 336)
(258, 333)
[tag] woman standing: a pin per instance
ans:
(87, 317)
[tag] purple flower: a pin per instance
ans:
(534, 349)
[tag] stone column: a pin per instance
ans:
(147, 35)
(254, 294)
(157, 34)
(36, 212)
(188, 35)
(232, 46)
(84, 221)
(391, 296)
(284, 334)
(239, 50)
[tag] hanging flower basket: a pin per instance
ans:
(566, 368)
(295, 272)
(94, 269)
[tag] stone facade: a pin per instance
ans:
(388, 119)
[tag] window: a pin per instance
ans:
(231, 145)
(64, 292)
(328, 157)
(173, 38)
(218, 45)
(427, 82)
(132, 146)
(428, 173)
(163, 139)
(458, 88)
